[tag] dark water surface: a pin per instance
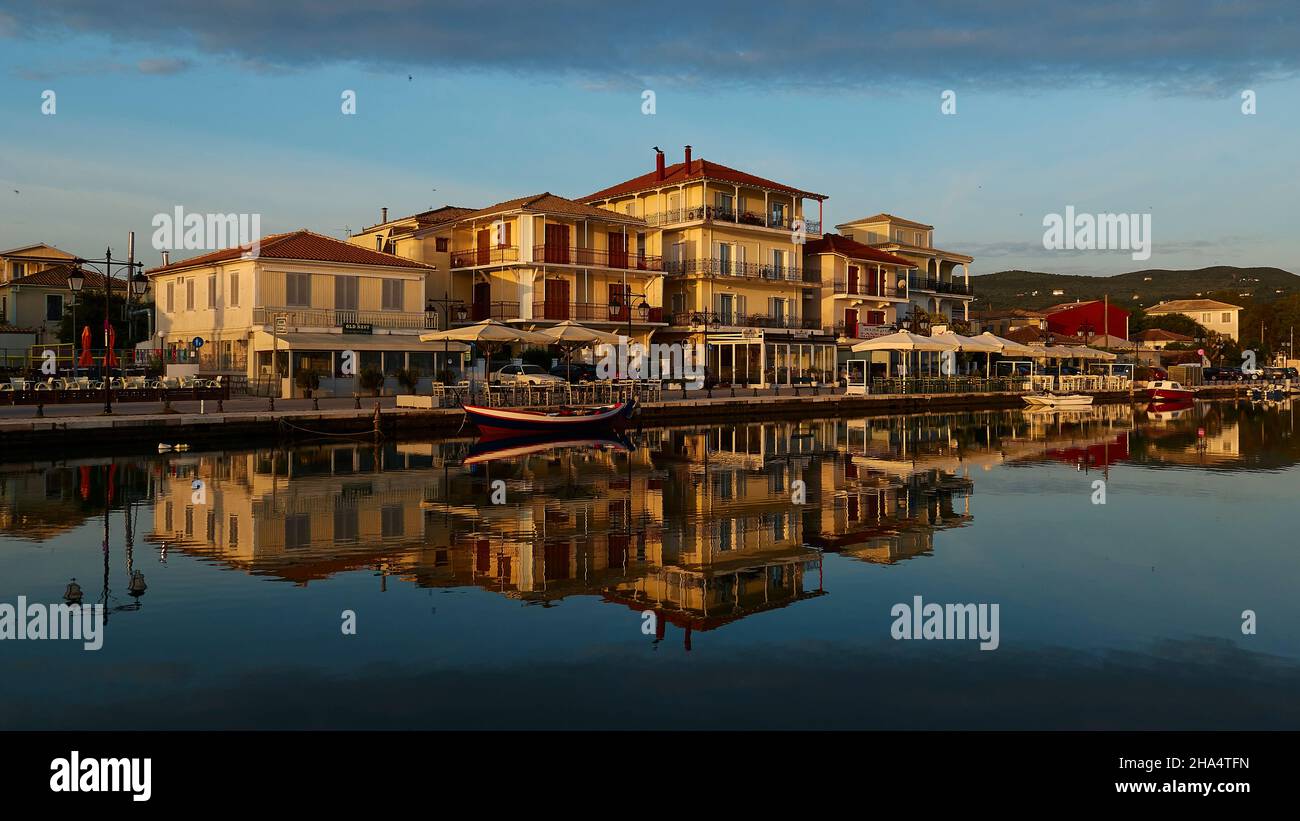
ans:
(768, 612)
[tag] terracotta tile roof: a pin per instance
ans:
(56, 276)
(1025, 336)
(836, 244)
(883, 217)
(1065, 306)
(300, 245)
(548, 203)
(1175, 306)
(1160, 335)
(424, 219)
(700, 170)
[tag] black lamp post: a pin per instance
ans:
(76, 281)
(107, 274)
(450, 307)
(617, 306)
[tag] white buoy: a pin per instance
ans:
(163, 448)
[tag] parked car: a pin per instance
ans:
(576, 372)
(524, 374)
(1280, 374)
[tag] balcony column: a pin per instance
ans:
(767, 210)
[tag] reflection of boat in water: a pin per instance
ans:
(567, 420)
(513, 447)
(1165, 390)
(1057, 400)
(1168, 411)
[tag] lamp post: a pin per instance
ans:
(107, 274)
(76, 281)
(642, 310)
(449, 307)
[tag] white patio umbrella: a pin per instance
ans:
(905, 342)
(487, 334)
(1008, 347)
(571, 335)
(975, 344)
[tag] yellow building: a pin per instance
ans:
(1217, 317)
(732, 250)
(940, 283)
(34, 288)
(423, 237)
(863, 288)
(300, 303)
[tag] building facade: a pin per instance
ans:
(1217, 317)
(940, 282)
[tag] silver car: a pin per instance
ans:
(525, 375)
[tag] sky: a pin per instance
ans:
(235, 106)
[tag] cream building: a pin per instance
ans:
(1217, 317)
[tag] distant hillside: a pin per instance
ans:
(1033, 289)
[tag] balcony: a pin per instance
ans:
(500, 311)
(940, 286)
(731, 319)
(596, 258)
(332, 318)
(867, 288)
(731, 268)
(591, 312)
(489, 255)
(673, 216)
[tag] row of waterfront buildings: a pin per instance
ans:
(694, 252)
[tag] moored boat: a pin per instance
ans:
(1058, 400)
(1167, 390)
(566, 420)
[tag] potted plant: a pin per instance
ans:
(408, 379)
(372, 379)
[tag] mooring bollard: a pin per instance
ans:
(356, 401)
(40, 410)
(270, 403)
(221, 406)
(315, 403)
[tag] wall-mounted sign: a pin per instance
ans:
(358, 328)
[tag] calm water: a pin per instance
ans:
(769, 613)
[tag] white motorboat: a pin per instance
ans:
(1058, 400)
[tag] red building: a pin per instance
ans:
(1087, 319)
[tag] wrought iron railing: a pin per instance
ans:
(725, 267)
(672, 216)
(739, 320)
(487, 255)
(333, 318)
(596, 258)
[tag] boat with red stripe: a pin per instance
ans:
(496, 422)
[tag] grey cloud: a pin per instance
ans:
(1164, 45)
(160, 66)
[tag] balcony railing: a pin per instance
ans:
(738, 320)
(867, 288)
(500, 311)
(596, 258)
(941, 286)
(731, 268)
(701, 212)
(489, 255)
(592, 312)
(332, 318)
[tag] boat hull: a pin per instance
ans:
(1170, 395)
(495, 423)
(1072, 401)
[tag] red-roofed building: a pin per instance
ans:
(867, 287)
(303, 301)
(1088, 319)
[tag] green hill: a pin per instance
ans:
(1034, 289)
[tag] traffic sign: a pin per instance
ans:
(198, 342)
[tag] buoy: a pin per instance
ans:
(182, 447)
(162, 448)
(136, 586)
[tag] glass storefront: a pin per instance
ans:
(753, 362)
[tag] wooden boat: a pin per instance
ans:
(1167, 390)
(503, 422)
(1058, 400)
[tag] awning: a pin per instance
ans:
(263, 341)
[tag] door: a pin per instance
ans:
(557, 299)
(851, 323)
(853, 279)
(617, 250)
(482, 301)
(557, 244)
(483, 242)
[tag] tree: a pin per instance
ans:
(372, 379)
(90, 314)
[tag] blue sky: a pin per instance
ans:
(225, 107)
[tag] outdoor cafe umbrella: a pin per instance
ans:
(488, 335)
(975, 344)
(85, 359)
(1009, 347)
(571, 335)
(905, 341)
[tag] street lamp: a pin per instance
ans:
(76, 281)
(616, 306)
(107, 274)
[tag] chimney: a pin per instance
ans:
(384, 213)
(688, 159)
(167, 258)
(659, 165)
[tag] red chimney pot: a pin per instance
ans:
(688, 159)
(659, 165)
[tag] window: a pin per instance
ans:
(778, 215)
(778, 261)
(346, 290)
(391, 522)
(393, 294)
(212, 291)
(1205, 319)
(918, 239)
(189, 294)
(297, 531)
(233, 296)
(171, 297)
(724, 202)
(298, 289)
(503, 234)
(1226, 318)
(441, 243)
(19, 268)
(379, 242)
(724, 257)
(53, 307)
